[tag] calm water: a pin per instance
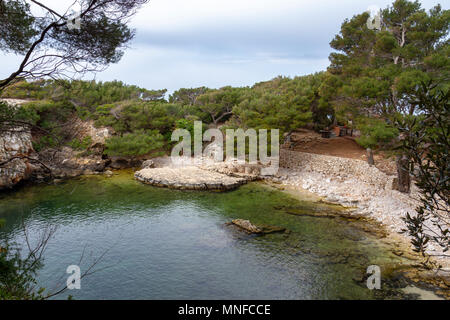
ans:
(164, 244)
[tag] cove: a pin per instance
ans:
(169, 244)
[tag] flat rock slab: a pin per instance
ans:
(188, 178)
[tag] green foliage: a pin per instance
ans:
(10, 113)
(45, 141)
(91, 94)
(426, 142)
(84, 95)
(50, 47)
(81, 144)
(187, 96)
(124, 108)
(375, 133)
(370, 75)
(104, 110)
(46, 117)
(17, 26)
(282, 103)
(130, 116)
(218, 104)
(47, 113)
(185, 124)
(134, 144)
(17, 273)
(377, 69)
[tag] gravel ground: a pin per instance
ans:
(354, 183)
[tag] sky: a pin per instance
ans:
(214, 43)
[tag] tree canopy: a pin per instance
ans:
(52, 46)
(373, 70)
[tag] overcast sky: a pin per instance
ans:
(191, 43)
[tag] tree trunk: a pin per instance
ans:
(370, 157)
(404, 179)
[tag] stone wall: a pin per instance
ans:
(335, 167)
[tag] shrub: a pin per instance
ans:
(134, 144)
(43, 142)
(375, 133)
(81, 144)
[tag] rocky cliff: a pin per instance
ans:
(19, 161)
(15, 151)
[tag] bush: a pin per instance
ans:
(45, 142)
(375, 133)
(18, 271)
(134, 144)
(81, 144)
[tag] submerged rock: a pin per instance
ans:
(266, 229)
(247, 226)
(256, 229)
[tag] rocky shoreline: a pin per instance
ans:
(357, 185)
(364, 190)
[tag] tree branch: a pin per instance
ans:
(47, 8)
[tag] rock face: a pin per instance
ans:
(188, 178)
(15, 143)
(87, 128)
(66, 163)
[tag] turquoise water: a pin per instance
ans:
(167, 244)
